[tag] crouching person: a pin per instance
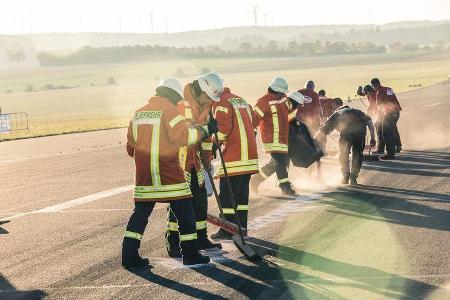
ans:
(155, 135)
(351, 123)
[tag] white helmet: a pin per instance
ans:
(279, 84)
(172, 83)
(297, 97)
(212, 85)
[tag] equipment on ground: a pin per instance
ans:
(238, 238)
(303, 151)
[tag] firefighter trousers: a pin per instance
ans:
(184, 213)
(390, 132)
(354, 143)
(200, 205)
(240, 188)
(278, 164)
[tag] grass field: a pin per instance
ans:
(89, 108)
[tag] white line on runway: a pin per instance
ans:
(78, 201)
(434, 104)
(211, 283)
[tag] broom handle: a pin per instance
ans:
(211, 179)
(227, 179)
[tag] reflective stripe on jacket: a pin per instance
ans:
(272, 112)
(236, 122)
(155, 135)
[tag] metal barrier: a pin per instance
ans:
(10, 122)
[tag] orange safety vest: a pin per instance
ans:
(155, 135)
(194, 115)
(236, 122)
(272, 112)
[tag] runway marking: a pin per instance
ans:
(78, 201)
(213, 282)
(434, 104)
(287, 208)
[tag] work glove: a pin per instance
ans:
(212, 126)
(214, 150)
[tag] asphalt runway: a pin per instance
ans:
(68, 199)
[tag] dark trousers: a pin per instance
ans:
(279, 164)
(240, 188)
(381, 142)
(200, 204)
(390, 131)
(184, 212)
(354, 143)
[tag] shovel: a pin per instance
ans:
(238, 238)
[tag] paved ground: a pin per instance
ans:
(68, 199)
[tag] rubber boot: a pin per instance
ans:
(221, 235)
(206, 244)
(191, 256)
(353, 179)
(130, 254)
(173, 244)
(286, 189)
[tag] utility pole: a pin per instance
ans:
(151, 21)
(120, 24)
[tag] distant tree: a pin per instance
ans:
(410, 48)
(245, 47)
(272, 46)
(15, 55)
(293, 47)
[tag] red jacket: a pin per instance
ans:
(194, 115)
(236, 121)
(327, 107)
(155, 135)
(309, 113)
(272, 113)
(387, 100)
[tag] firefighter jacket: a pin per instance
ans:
(155, 135)
(372, 109)
(190, 157)
(387, 100)
(236, 121)
(327, 107)
(310, 112)
(272, 113)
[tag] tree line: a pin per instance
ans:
(92, 55)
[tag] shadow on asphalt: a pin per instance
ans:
(8, 291)
(420, 166)
(182, 288)
(391, 208)
(338, 274)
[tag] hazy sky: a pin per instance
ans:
(25, 16)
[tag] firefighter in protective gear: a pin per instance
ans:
(155, 135)
(236, 122)
(295, 100)
(310, 113)
(195, 109)
(374, 113)
(351, 123)
(272, 113)
(390, 110)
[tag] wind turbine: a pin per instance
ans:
(255, 7)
